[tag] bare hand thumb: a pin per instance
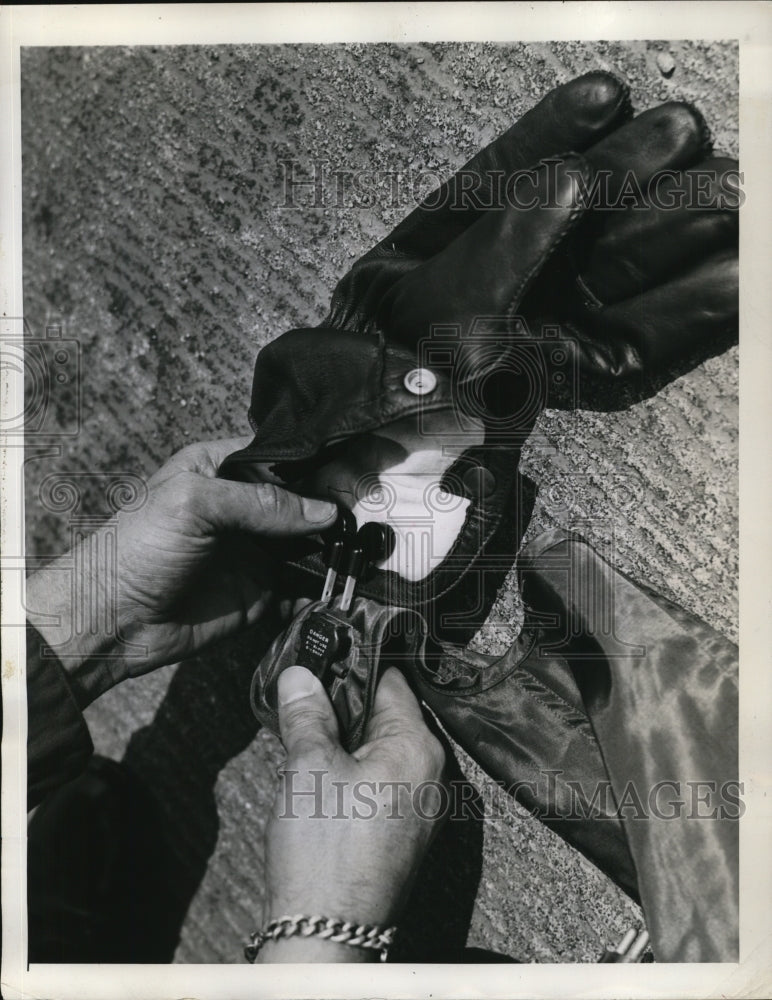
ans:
(306, 717)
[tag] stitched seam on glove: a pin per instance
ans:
(575, 214)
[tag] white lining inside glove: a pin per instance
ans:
(393, 476)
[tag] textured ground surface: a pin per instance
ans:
(156, 233)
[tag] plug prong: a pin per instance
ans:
(353, 572)
(333, 562)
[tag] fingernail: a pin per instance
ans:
(317, 511)
(296, 683)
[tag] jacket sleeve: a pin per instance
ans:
(58, 741)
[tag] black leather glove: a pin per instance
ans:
(478, 311)
(628, 253)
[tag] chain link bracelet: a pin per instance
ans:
(339, 931)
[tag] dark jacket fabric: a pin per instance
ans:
(58, 741)
(614, 718)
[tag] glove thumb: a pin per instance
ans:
(307, 721)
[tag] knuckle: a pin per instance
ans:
(184, 455)
(269, 499)
(309, 726)
(187, 459)
(181, 499)
(186, 493)
(432, 754)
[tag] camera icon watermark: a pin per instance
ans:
(49, 367)
(502, 375)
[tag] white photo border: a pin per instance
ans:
(750, 24)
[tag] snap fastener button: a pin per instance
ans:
(419, 381)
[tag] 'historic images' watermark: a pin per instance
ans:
(322, 797)
(319, 184)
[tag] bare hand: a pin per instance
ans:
(349, 831)
(188, 571)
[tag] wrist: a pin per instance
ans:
(312, 949)
(71, 605)
(317, 937)
(377, 904)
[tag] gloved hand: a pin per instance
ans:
(523, 282)
(626, 254)
(616, 257)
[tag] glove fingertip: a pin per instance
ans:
(597, 101)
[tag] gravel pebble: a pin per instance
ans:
(666, 63)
